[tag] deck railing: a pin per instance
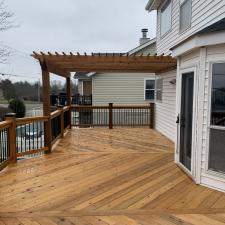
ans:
(82, 99)
(27, 137)
(33, 136)
(4, 144)
(30, 139)
(55, 126)
(111, 116)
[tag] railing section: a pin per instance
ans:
(4, 144)
(56, 125)
(111, 116)
(82, 100)
(60, 122)
(30, 138)
(66, 117)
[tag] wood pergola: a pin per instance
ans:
(63, 64)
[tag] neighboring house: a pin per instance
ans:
(193, 31)
(121, 88)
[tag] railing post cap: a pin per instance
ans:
(10, 115)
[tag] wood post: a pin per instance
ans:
(12, 136)
(152, 115)
(46, 105)
(68, 90)
(110, 115)
(60, 107)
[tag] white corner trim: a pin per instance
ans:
(91, 74)
(198, 41)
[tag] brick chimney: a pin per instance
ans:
(144, 38)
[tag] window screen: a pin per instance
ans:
(217, 128)
(185, 15)
(166, 17)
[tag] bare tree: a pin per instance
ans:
(6, 23)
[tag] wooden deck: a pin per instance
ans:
(106, 177)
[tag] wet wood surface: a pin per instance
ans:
(106, 177)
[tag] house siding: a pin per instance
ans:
(120, 88)
(201, 60)
(204, 13)
(165, 119)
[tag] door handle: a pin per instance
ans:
(178, 119)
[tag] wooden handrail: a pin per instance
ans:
(107, 107)
(5, 125)
(27, 120)
(55, 114)
(88, 107)
(66, 108)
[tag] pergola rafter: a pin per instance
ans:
(102, 62)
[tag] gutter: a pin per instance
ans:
(149, 5)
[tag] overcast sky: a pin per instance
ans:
(72, 25)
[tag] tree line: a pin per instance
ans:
(31, 91)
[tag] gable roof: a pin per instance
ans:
(143, 46)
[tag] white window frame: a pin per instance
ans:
(186, 28)
(145, 89)
(158, 89)
(170, 28)
(207, 170)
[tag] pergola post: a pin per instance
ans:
(68, 91)
(46, 104)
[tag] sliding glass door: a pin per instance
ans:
(217, 119)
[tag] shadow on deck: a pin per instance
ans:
(106, 177)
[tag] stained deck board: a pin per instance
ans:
(101, 176)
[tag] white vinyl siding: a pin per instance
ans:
(165, 116)
(120, 88)
(204, 13)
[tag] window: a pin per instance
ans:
(185, 15)
(217, 123)
(159, 87)
(166, 17)
(149, 90)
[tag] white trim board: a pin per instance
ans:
(199, 41)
